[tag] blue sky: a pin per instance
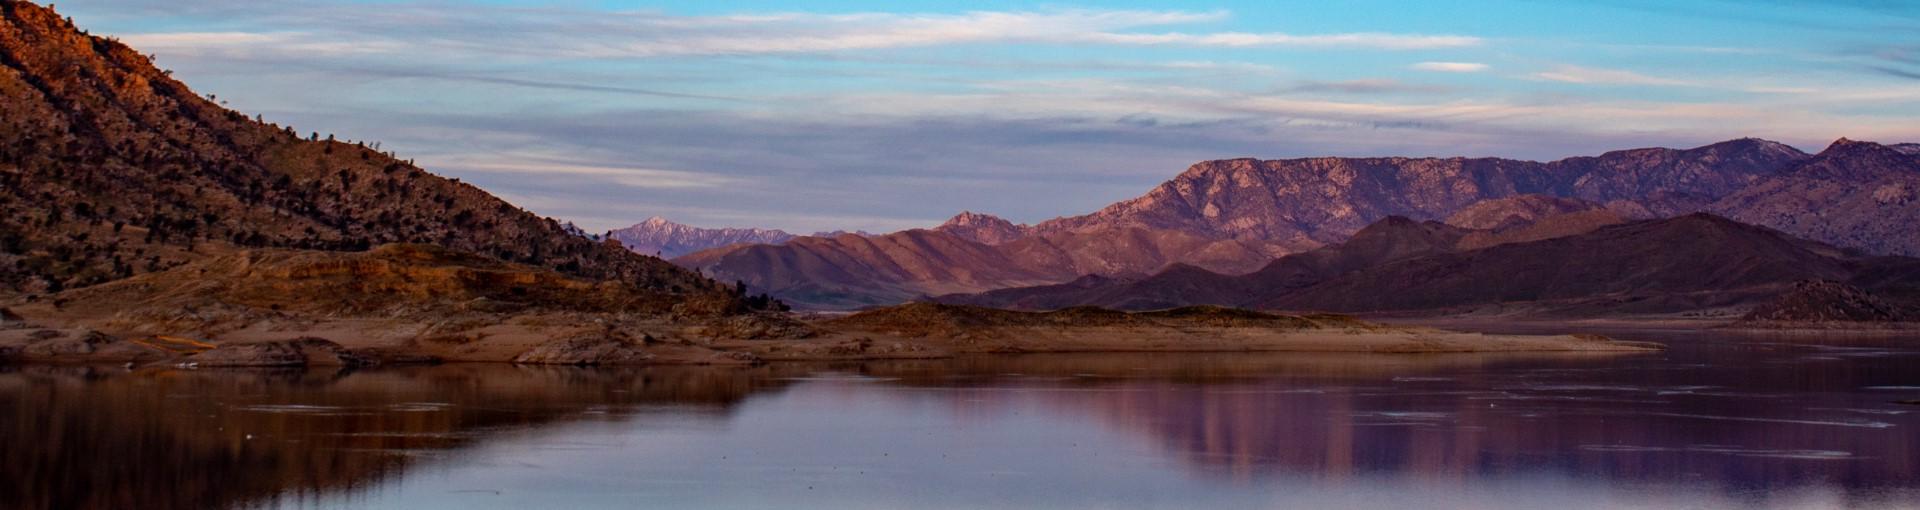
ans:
(888, 115)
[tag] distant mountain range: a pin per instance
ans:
(663, 238)
(850, 271)
(1235, 216)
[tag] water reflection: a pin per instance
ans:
(1725, 423)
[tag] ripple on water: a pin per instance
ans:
(1836, 423)
(1725, 450)
(299, 409)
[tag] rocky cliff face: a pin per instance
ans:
(1854, 194)
(110, 168)
(663, 238)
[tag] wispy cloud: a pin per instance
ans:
(546, 166)
(1365, 86)
(1599, 76)
(242, 44)
(1241, 39)
(568, 34)
(1450, 67)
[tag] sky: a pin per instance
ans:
(884, 115)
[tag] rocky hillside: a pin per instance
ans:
(667, 239)
(1822, 301)
(110, 168)
(1519, 210)
(1854, 194)
(237, 290)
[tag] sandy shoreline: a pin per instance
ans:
(592, 339)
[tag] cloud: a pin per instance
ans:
(1450, 67)
(244, 44)
(548, 166)
(556, 33)
(836, 121)
(1597, 76)
(1240, 39)
(1366, 86)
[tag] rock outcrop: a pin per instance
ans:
(299, 352)
(608, 348)
(1825, 301)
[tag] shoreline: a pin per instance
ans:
(1650, 324)
(547, 340)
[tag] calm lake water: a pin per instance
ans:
(1716, 422)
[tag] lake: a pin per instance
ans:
(1716, 422)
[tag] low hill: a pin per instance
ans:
(1685, 263)
(1689, 262)
(1825, 302)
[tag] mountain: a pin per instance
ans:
(657, 236)
(1398, 264)
(1855, 194)
(984, 228)
(110, 168)
(1234, 216)
(1303, 203)
(851, 271)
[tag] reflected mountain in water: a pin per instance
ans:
(108, 438)
(1761, 421)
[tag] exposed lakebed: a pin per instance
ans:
(1715, 421)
